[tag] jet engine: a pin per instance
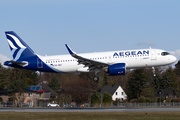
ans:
(117, 69)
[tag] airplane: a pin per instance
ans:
(113, 62)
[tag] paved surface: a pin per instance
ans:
(87, 109)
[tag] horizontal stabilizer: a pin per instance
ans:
(24, 63)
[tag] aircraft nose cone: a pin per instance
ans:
(174, 59)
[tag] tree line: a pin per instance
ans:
(139, 84)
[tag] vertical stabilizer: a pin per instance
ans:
(18, 47)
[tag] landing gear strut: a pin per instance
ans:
(96, 78)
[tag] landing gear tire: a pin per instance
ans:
(96, 78)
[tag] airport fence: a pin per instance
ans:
(88, 105)
(7, 104)
(131, 105)
(173, 104)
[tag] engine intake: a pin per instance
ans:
(117, 69)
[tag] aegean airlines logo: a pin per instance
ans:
(127, 53)
(16, 46)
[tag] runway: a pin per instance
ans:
(87, 109)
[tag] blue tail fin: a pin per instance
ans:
(18, 47)
(24, 57)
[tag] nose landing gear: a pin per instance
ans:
(153, 70)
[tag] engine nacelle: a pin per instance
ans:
(117, 69)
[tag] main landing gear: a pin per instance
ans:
(96, 78)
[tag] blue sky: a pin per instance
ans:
(91, 25)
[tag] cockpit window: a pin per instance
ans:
(165, 53)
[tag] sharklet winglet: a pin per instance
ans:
(71, 52)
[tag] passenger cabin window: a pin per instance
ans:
(165, 53)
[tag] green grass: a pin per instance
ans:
(90, 116)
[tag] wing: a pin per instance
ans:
(92, 64)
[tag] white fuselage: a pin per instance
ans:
(132, 59)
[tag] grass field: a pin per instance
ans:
(90, 116)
